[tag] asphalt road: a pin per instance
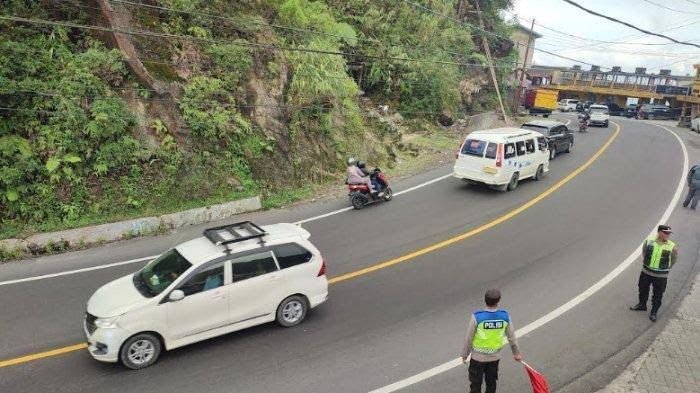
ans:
(385, 326)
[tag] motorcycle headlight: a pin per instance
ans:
(106, 323)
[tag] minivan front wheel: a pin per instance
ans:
(140, 351)
(292, 311)
(539, 173)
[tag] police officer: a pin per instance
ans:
(486, 335)
(659, 255)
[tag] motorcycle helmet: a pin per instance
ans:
(351, 161)
(361, 164)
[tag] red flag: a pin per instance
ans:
(537, 380)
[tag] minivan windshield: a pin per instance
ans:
(160, 273)
(598, 110)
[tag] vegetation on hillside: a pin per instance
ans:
(265, 96)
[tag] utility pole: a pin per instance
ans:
(490, 60)
(519, 92)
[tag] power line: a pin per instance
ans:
(629, 24)
(491, 33)
(592, 39)
(241, 44)
(694, 22)
(265, 24)
(671, 9)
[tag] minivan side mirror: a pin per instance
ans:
(176, 295)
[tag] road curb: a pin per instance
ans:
(83, 237)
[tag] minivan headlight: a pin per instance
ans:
(106, 323)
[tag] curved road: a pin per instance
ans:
(392, 323)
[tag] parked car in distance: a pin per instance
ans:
(695, 124)
(233, 277)
(631, 111)
(567, 105)
(502, 157)
(559, 137)
(615, 110)
(656, 112)
(599, 115)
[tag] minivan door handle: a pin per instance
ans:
(217, 295)
(273, 277)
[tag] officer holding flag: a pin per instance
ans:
(486, 334)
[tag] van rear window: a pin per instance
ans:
(474, 147)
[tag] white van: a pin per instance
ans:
(234, 277)
(502, 157)
(567, 105)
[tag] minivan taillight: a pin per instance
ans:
(499, 156)
(322, 272)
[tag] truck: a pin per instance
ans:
(542, 101)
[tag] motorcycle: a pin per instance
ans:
(360, 196)
(583, 125)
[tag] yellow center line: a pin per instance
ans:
(391, 262)
(485, 227)
(41, 355)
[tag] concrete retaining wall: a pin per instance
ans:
(124, 229)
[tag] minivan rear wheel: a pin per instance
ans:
(513, 184)
(292, 311)
(140, 351)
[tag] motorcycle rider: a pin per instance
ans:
(375, 182)
(585, 117)
(358, 176)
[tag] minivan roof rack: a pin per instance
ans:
(234, 233)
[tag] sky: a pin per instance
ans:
(682, 24)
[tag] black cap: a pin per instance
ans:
(664, 228)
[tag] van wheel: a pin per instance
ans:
(540, 173)
(570, 147)
(140, 351)
(552, 152)
(513, 182)
(292, 311)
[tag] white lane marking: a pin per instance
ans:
(69, 272)
(333, 213)
(566, 306)
(89, 269)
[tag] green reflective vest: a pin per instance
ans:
(657, 256)
(490, 332)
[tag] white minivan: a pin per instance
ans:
(501, 157)
(235, 276)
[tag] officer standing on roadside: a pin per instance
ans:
(486, 335)
(659, 255)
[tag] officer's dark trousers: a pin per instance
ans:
(659, 284)
(692, 197)
(480, 371)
